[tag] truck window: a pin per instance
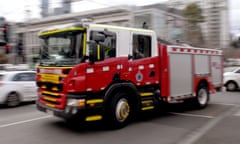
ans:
(141, 46)
(109, 43)
(62, 46)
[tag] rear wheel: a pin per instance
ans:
(13, 99)
(202, 96)
(118, 111)
(231, 86)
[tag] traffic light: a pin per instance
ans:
(20, 48)
(5, 29)
(7, 49)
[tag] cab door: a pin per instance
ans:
(100, 73)
(143, 64)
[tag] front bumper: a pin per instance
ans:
(55, 112)
(71, 111)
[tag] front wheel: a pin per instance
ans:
(202, 96)
(118, 111)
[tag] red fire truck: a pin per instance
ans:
(93, 72)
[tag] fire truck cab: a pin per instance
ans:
(93, 72)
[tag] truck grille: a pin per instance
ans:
(53, 99)
(50, 86)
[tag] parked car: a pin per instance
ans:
(17, 87)
(232, 78)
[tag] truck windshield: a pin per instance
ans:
(61, 49)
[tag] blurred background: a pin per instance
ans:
(201, 23)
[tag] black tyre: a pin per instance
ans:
(75, 122)
(13, 100)
(118, 111)
(202, 96)
(231, 86)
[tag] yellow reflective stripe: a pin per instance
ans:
(147, 101)
(50, 99)
(148, 108)
(51, 93)
(146, 94)
(84, 43)
(49, 32)
(94, 101)
(50, 105)
(93, 118)
(98, 52)
(54, 67)
(121, 28)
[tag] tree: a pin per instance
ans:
(193, 16)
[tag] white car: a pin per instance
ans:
(232, 78)
(17, 86)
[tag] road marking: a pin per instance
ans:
(191, 115)
(226, 104)
(194, 136)
(25, 121)
(237, 113)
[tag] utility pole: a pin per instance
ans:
(26, 48)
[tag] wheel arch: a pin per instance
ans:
(20, 96)
(126, 87)
(233, 81)
(201, 83)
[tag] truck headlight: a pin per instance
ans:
(76, 102)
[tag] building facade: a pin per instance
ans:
(44, 8)
(217, 23)
(158, 19)
(215, 29)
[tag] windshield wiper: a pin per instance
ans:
(65, 62)
(44, 54)
(47, 63)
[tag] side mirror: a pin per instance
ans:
(108, 33)
(98, 37)
(96, 52)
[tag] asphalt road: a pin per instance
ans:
(216, 124)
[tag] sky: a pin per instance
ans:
(21, 10)
(16, 10)
(235, 15)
